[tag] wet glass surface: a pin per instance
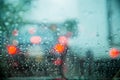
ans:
(59, 39)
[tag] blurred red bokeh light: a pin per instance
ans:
(15, 32)
(58, 61)
(32, 30)
(63, 40)
(35, 39)
(12, 49)
(114, 53)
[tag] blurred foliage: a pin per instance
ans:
(11, 16)
(12, 12)
(71, 26)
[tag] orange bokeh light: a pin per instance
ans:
(59, 48)
(114, 53)
(12, 49)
